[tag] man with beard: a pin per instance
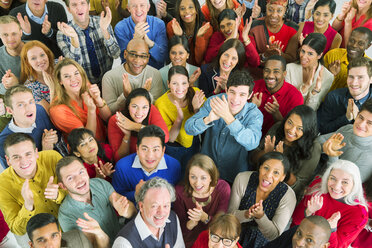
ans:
(272, 95)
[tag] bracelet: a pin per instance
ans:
(104, 104)
(247, 42)
(339, 19)
(317, 91)
(207, 220)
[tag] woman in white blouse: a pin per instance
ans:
(309, 76)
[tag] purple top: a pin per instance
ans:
(330, 34)
(219, 203)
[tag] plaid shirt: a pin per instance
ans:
(292, 10)
(106, 50)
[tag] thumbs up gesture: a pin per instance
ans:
(256, 10)
(51, 191)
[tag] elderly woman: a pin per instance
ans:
(309, 76)
(261, 201)
(338, 197)
(201, 197)
(224, 229)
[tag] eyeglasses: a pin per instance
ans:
(216, 239)
(137, 56)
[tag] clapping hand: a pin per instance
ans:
(49, 138)
(332, 146)
(352, 110)
(127, 87)
(198, 100)
(314, 204)
(46, 26)
(140, 30)
(25, 23)
(256, 10)
(335, 67)
(269, 144)
(257, 99)
(9, 79)
(333, 220)
(256, 211)
(177, 30)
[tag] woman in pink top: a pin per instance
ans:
(123, 127)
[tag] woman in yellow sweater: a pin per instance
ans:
(177, 105)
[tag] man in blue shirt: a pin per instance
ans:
(149, 28)
(341, 106)
(132, 171)
(232, 125)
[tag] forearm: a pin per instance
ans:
(102, 240)
(91, 122)
(104, 112)
(337, 23)
(175, 130)
(124, 148)
(347, 32)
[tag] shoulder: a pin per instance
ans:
(292, 66)
(19, 9)
(335, 53)
(126, 162)
(75, 238)
(55, 5)
(291, 25)
(154, 22)
(259, 23)
(170, 161)
(48, 156)
(243, 177)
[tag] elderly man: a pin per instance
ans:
(149, 28)
(155, 225)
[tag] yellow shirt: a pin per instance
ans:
(11, 200)
(333, 55)
(96, 5)
(169, 113)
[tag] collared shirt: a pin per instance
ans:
(12, 202)
(106, 50)
(161, 166)
(292, 9)
(38, 20)
(227, 144)
(16, 129)
(332, 113)
(287, 96)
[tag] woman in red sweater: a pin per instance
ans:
(123, 127)
(340, 200)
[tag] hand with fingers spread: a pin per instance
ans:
(127, 87)
(333, 220)
(314, 204)
(67, 30)
(221, 82)
(89, 225)
(335, 67)
(99, 172)
(211, 117)
(269, 143)
(196, 213)
(51, 191)
(280, 147)
(256, 10)
(27, 195)
(161, 9)
(198, 100)
(221, 108)
(203, 29)
(46, 26)
(105, 19)
(352, 110)
(49, 139)
(245, 32)
(350, 16)
(275, 47)
(272, 108)
(240, 11)
(9, 79)
(257, 99)
(89, 102)
(25, 23)
(332, 146)
(177, 30)
(256, 211)
(148, 84)
(194, 77)
(121, 204)
(106, 168)
(140, 30)
(235, 33)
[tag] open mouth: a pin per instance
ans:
(81, 186)
(265, 183)
(30, 115)
(199, 188)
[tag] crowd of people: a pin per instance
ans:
(229, 124)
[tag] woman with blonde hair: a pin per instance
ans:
(77, 103)
(202, 196)
(37, 59)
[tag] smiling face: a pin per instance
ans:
(11, 35)
(47, 236)
(274, 75)
(219, 4)
(237, 97)
(187, 11)
(155, 208)
(150, 152)
(362, 126)
(293, 128)
(71, 79)
(22, 158)
(228, 60)
(37, 7)
(358, 82)
(322, 16)
(23, 109)
(136, 56)
(227, 26)
(271, 172)
(340, 183)
(357, 44)
(309, 57)
(79, 10)
(75, 180)
(178, 86)
(138, 10)
(274, 14)
(87, 148)
(200, 180)
(364, 4)
(178, 55)
(139, 108)
(38, 59)
(309, 235)
(5, 4)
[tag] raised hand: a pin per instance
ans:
(345, 9)
(307, 84)
(46, 26)
(139, 185)
(9, 79)
(148, 84)
(350, 16)
(245, 32)
(89, 102)
(256, 10)
(240, 11)
(235, 33)
(123, 123)
(25, 23)
(257, 99)
(198, 100)
(48, 139)
(95, 93)
(269, 144)
(196, 213)
(352, 110)
(333, 220)
(140, 30)
(27, 195)
(221, 82)
(203, 29)
(105, 20)
(318, 83)
(272, 108)
(194, 77)
(161, 9)
(67, 29)
(51, 191)
(332, 146)
(179, 110)
(89, 225)
(221, 108)
(280, 147)
(107, 168)
(121, 204)
(99, 172)
(105, 4)
(127, 87)
(314, 204)
(335, 67)
(275, 47)
(177, 30)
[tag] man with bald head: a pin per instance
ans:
(313, 232)
(134, 73)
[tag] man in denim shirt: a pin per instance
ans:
(233, 126)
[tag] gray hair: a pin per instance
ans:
(356, 196)
(155, 183)
(148, 2)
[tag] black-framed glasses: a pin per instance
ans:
(216, 239)
(138, 56)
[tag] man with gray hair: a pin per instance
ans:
(155, 225)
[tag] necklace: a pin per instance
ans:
(203, 204)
